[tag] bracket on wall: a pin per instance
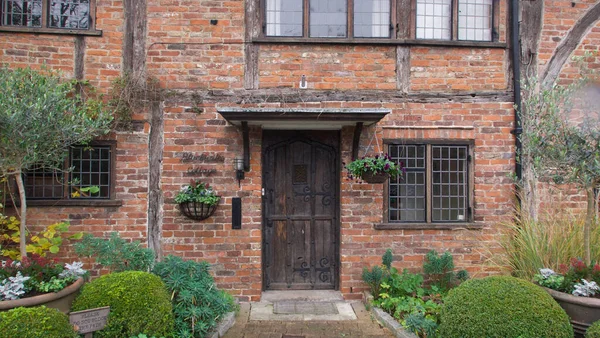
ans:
(356, 140)
(246, 145)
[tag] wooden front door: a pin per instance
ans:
(301, 221)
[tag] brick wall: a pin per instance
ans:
(187, 53)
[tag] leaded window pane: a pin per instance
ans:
(434, 19)
(22, 13)
(475, 20)
(69, 14)
(328, 19)
(372, 19)
(449, 183)
(407, 193)
(91, 167)
(284, 17)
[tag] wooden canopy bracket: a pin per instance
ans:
(355, 142)
(246, 145)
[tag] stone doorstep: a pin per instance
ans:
(305, 308)
(265, 311)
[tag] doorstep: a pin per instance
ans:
(302, 305)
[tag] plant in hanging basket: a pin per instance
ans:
(375, 169)
(197, 201)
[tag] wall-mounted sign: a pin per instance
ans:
(202, 158)
(200, 171)
(88, 321)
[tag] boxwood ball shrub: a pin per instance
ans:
(593, 331)
(35, 322)
(502, 307)
(139, 303)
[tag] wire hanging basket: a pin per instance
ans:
(198, 211)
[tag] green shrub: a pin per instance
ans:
(197, 303)
(503, 307)
(593, 331)
(139, 303)
(35, 322)
(116, 253)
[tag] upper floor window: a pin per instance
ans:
(70, 16)
(89, 167)
(472, 20)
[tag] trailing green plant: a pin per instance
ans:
(499, 307)
(197, 192)
(197, 303)
(139, 303)
(115, 253)
(593, 331)
(42, 116)
(376, 165)
(440, 269)
(35, 322)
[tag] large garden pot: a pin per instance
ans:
(60, 300)
(583, 311)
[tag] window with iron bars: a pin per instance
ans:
(436, 187)
(89, 167)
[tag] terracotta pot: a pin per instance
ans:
(369, 177)
(583, 311)
(60, 300)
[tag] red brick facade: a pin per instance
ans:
(454, 93)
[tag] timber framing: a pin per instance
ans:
(291, 95)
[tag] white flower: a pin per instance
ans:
(585, 289)
(547, 273)
(73, 270)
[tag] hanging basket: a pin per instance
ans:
(376, 178)
(198, 211)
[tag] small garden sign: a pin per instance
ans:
(88, 321)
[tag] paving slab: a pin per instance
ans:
(305, 326)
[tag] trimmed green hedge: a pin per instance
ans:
(502, 307)
(139, 303)
(593, 331)
(35, 322)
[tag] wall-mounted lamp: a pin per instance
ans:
(238, 166)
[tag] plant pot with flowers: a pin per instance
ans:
(576, 289)
(197, 201)
(374, 169)
(36, 280)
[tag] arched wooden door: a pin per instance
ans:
(301, 210)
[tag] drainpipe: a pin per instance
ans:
(516, 64)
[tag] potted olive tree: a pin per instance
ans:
(561, 140)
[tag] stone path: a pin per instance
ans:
(307, 327)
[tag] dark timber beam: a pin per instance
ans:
(246, 140)
(569, 44)
(356, 140)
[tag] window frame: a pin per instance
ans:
(67, 200)
(401, 32)
(428, 223)
(45, 29)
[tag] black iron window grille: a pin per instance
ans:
(436, 185)
(89, 176)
